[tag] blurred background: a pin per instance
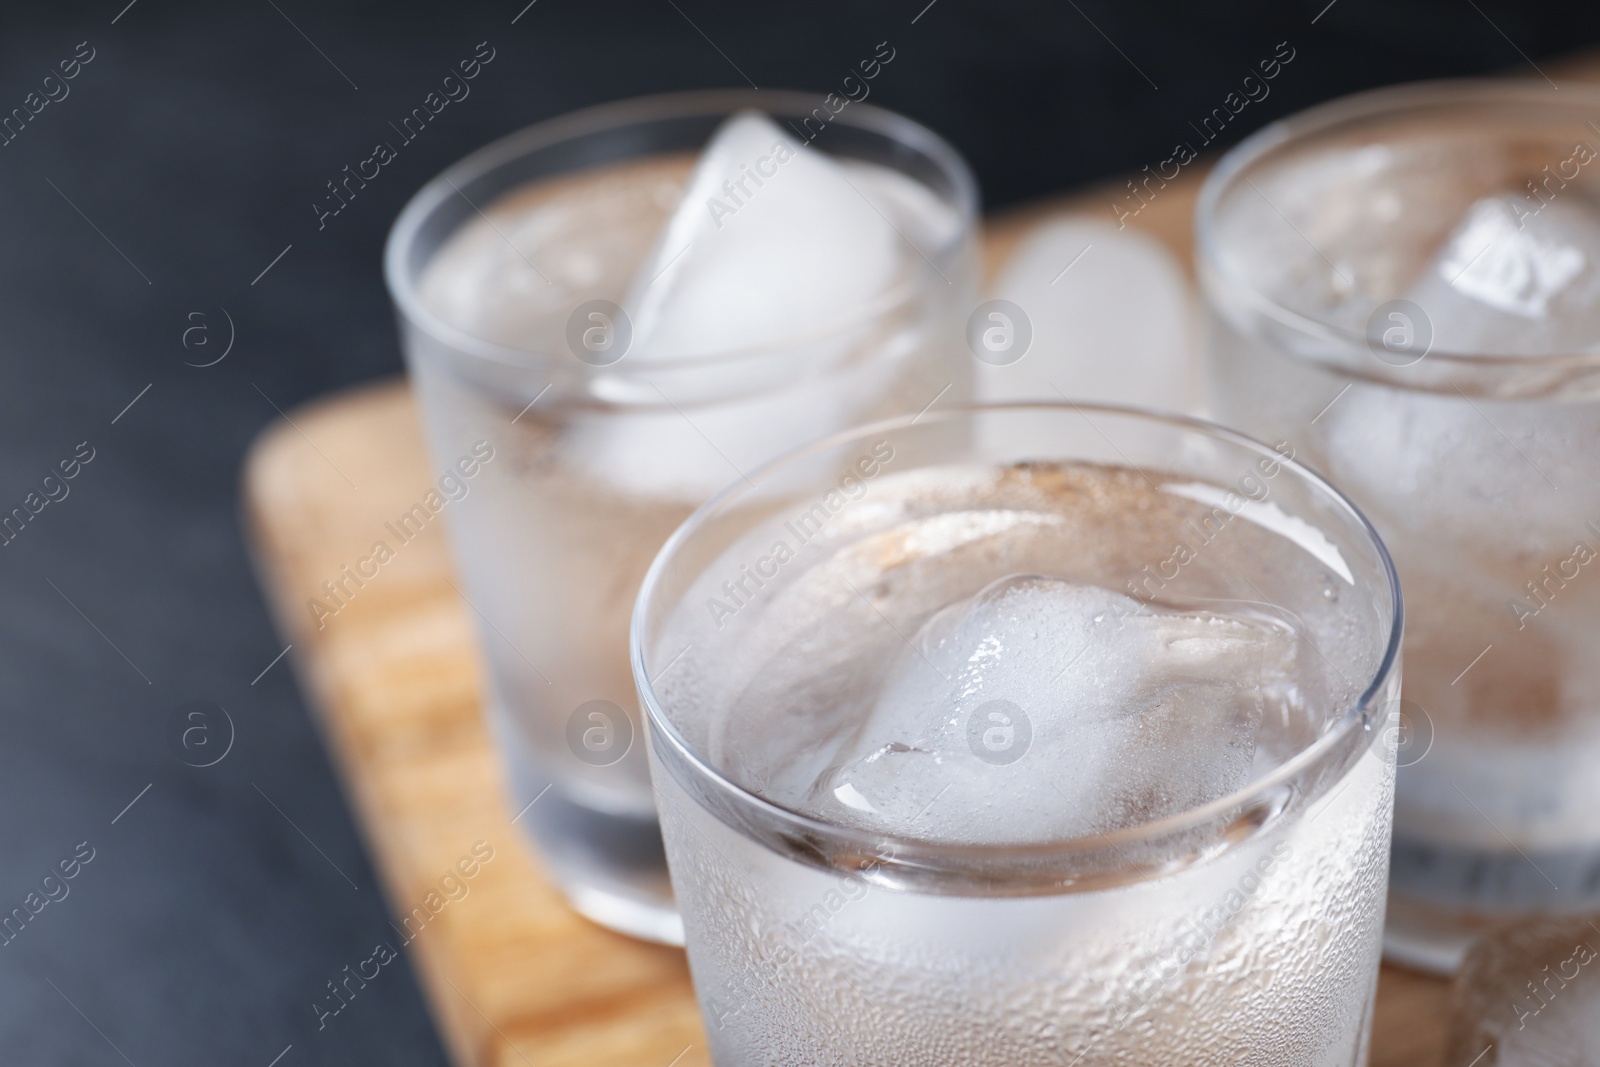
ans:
(177, 177)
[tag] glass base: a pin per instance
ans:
(647, 920)
(1430, 936)
(1423, 938)
(1443, 897)
(612, 868)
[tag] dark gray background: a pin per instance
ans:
(195, 143)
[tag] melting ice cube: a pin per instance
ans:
(1507, 282)
(1510, 281)
(1041, 709)
(1529, 996)
(773, 245)
(1111, 320)
(771, 241)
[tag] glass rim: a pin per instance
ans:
(662, 730)
(892, 125)
(1375, 103)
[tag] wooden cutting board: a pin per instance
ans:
(512, 975)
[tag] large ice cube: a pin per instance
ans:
(1043, 709)
(1507, 282)
(773, 246)
(1510, 281)
(1110, 316)
(771, 242)
(1529, 996)
(1428, 462)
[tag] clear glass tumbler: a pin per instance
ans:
(1087, 846)
(1406, 286)
(509, 272)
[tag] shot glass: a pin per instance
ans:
(1404, 285)
(1043, 856)
(509, 272)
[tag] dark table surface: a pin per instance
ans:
(162, 199)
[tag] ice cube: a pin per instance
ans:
(1513, 281)
(1529, 996)
(1507, 282)
(1043, 709)
(1111, 319)
(774, 247)
(1427, 462)
(771, 241)
(1435, 466)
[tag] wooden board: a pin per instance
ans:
(513, 976)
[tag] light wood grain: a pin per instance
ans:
(513, 976)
